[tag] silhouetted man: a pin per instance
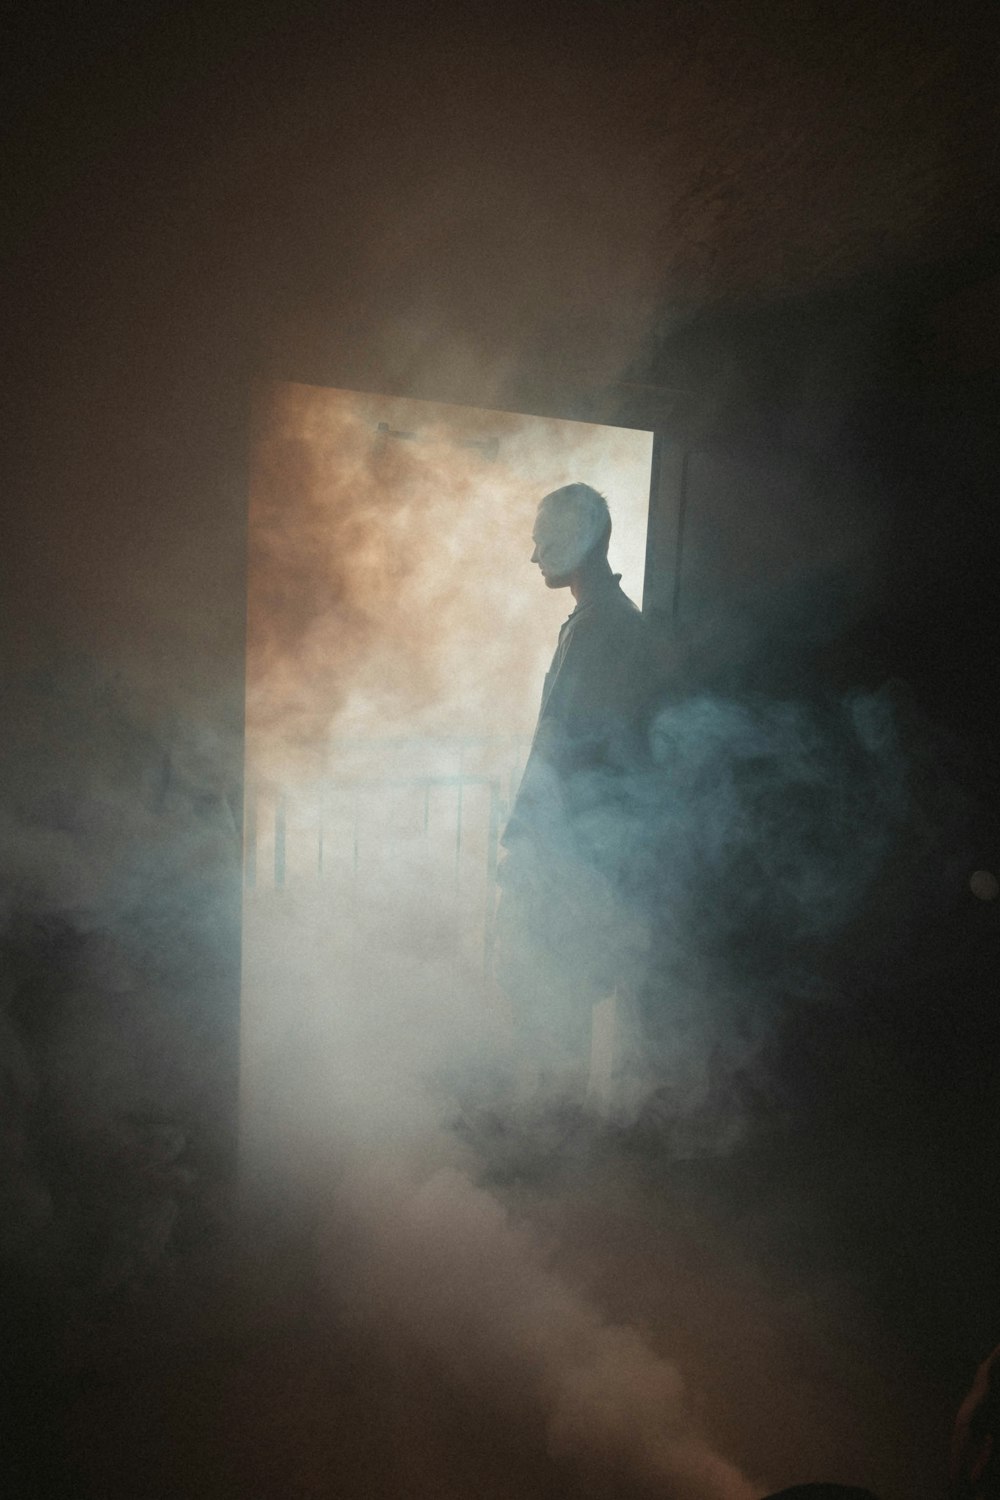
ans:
(567, 935)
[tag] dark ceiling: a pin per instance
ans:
(506, 180)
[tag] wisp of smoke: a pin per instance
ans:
(437, 1265)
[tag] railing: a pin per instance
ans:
(443, 829)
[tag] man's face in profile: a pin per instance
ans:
(562, 540)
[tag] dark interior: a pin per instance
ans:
(767, 233)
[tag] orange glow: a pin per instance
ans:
(390, 588)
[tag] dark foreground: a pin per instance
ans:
(825, 1308)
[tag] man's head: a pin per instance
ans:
(572, 526)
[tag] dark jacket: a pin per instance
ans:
(593, 720)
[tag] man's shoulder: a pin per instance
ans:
(611, 615)
(609, 645)
(619, 602)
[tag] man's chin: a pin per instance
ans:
(555, 581)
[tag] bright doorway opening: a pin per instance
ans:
(398, 636)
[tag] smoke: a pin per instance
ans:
(457, 1280)
(370, 1021)
(391, 595)
(787, 808)
(363, 1037)
(751, 834)
(119, 819)
(117, 923)
(389, 587)
(521, 224)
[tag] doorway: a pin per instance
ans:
(397, 641)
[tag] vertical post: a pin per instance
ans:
(250, 838)
(280, 820)
(492, 840)
(668, 487)
(354, 934)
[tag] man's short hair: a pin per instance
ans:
(589, 507)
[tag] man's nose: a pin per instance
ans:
(534, 555)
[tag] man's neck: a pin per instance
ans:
(590, 578)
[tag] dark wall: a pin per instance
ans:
(828, 537)
(834, 507)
